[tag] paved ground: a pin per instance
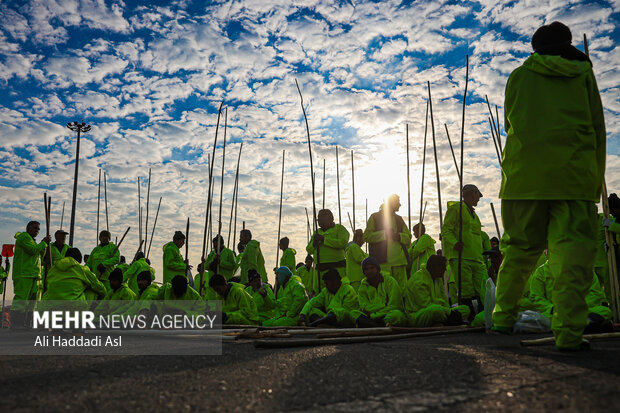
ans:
(470, 372)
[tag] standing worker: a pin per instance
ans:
(553, 170)
(388, 239)
(331, 241)
(104, 258)
(59, 247)
(252, 257)
(174, 264)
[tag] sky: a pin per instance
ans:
(149, 78)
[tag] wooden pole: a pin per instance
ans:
(323, 184)
(351, 223)
(430, 105)
(187, 241)
(551, 340)
(219, 220)
(338, 186)
(499, 135)
(353, 186)
(366, 221)
(499, 235)
(499, 156)
(456, 165)
(153, 231)
(47, 263)
(408, 179)
(62, 216)
(148, 199)
(139, 213)
(98, 208)
(318, 257)
(234, 198)
(207, 212)
(280, 216)
(118, 245)
(105, 196)
(235, 224)
(309, 231)
(461, 181)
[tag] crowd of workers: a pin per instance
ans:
(552, 257)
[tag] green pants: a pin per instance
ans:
(434, 314)
(569, 230)
(399, 273)
(344, 319)
(281, 321)
(472, 275)
(25, 289)
(394, 318)
(602, 273)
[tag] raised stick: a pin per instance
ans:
(148, 198)
(219, 219)
(153, 231)
(234, 199)
(280, 215)
(499, 235)
(353, 186)
(456, 165)
(408, 179)
(323, 183)
(461, 181)
(105, 197)
(338, 186)
(62, 216)
(139, 213)
(98, 207)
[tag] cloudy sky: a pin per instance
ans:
(149, 80)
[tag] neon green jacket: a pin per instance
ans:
(381, 300)
(123, 266)
(131, 275)
(601, 252)
(252, 258)
(354, 256)
(149, 293)
(555, 147)
(264, 305)
(291, 299)
(56, 253)
(239, 302)
(306, 275)
(174, 264)
(343, 304)
(422, 291)
(103, 255)
(228, 263)
(333, 246)
(123, 293)
(208, 293)
(28, 256)
(395, 251)
(288, 259)
(165, 292)
(420, 250)
(472, 233)
(68, 280)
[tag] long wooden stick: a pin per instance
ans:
(323, 184)
(148, 251)
(494, 125)
(461, 183)
(235, 223)
(456, 165)
(318, 257)
(62, 216)
(148, 198)
(139, 213)
(499, 135)
(430, 105)
(499, 156)
(353, 186)
(234, 199)
(551, 340)
(47, 259)
(120, 242)
(351, 223)
(309, 231)
(408, 179)
(105, 197)
(338, 186)
(187, 241)
(280, 217)
(499, 235)
(219, 220)
(98, 208)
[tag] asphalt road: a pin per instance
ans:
(469, 372)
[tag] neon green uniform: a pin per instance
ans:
(3, 276)
(306, 275)
(383, 301)
(331, 252)
(26, 268)
(473, 270)
(288, 259)
(420, 251)
(252, 258)
(149, 293)
(110, 304)
(68, 280)
(174, 264)
(343, 304)
(601, 265)
(266, 305)
(426, 302)
(123, 266)
(391, 254)
(354, 256)
(191, 303)
(228, 263)
(553, 168)
(106, 256)
(207, 293)
(291, 300)
(131, 275)
(58, 253)
(239, 306)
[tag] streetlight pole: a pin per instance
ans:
(79, 128)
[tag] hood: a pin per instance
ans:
(166, 245)
(17, 234)
(556, 66)
(64, 264)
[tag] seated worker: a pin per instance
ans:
(262, 294)
(426, 302)
(306, 274)
(146, 289)
(138, 265)
(207, 292)
(69, 280)
(354, 256)
(379, 298)
(541, 290)
(180, 298)
(238, 307)
(336, 305)
(118, 299)
(291, 299)
(421, 249)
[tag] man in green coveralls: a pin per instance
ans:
(59, 247)
(238, 306)
(174, 264)
(70, 280)
(252, 257)
(104, 258)
(553, 168)
(355, 255)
